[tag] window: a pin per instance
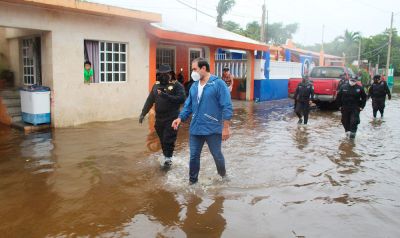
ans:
(166, 56)
(28, 62)
(327, 72)
(113, 62)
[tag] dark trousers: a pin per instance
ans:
(167, 136)
(214, 143)
(350, 119)
(302, 109)
(378, 104)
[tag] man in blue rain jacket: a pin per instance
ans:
(209, 103)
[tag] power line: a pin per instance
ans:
(196, 9)
(379, 49)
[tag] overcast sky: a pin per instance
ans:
(367, 16)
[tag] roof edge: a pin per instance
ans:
(91, 8)
(206, 40)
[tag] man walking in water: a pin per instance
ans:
(303, 96)
(378, 91)
(352, 99)
(209, 103)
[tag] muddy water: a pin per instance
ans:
(104, 179)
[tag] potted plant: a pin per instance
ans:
(242, 89)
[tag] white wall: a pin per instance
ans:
(284, 70)
(73, 101)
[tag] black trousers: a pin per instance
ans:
(302, 109)
(167, 135)
(378, 104)
(350, 119)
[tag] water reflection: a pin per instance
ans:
(204, 221)
(301, 135)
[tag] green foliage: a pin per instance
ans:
(232, 26)
(365, 77)
(223, 7)
(252, 30)
(372, 48)
(276, 33)
(242, 85)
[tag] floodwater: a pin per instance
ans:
(285, 180)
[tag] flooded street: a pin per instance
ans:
(285, 180)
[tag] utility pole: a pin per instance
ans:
(359, 54)
(377, 65)
(266, 28)
(262, 30)
(322, 39)
(196, 10)
(389, 46)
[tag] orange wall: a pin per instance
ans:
(152, 62)
(182, 56)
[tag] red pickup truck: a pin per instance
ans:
(325, 80)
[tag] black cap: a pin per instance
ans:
(354, 79)
(377, 77)
(164, 68)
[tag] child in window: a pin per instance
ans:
(88, 72)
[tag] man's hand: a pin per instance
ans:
(141, 118)
(159, 91)
(176, 123)
(226, 131)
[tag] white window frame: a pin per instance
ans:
(31, 66)
(189, 60)
(168, 47)
(105, 62)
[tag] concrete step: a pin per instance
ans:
(12, 102)
(16, 118)
(9, 93)
(14, 110)
(28, 127)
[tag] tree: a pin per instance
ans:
(279, 33)
(232, 26)
(223, 7)
(252, 30)
(350, 41)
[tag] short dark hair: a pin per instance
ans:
(87, 62)
(201, 62)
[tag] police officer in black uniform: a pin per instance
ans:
(351, 98)
(378, 91)
(167, 95)
(303, 98)
(343, 81)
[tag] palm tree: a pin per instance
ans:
(350, 38)
(224, 6)
(350, 42)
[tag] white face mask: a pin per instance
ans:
(352, 83)
(195, 76)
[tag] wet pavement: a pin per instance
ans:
(285, 180)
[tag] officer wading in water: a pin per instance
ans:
(378, 91)
(303, 98)
(351, 98)
(167, 95)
